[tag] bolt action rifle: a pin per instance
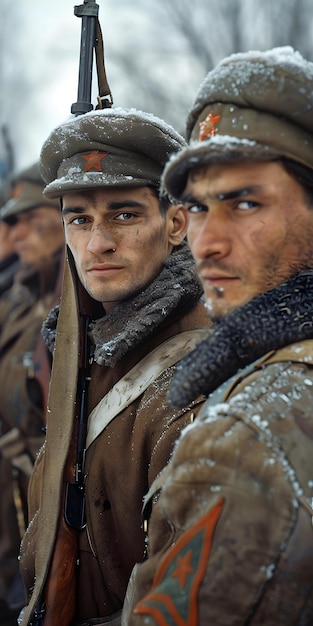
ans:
(58, 602)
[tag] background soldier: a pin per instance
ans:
(35, 228)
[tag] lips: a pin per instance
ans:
(103, 268)
(213, 278)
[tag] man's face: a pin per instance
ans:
(119, 239)
(37, 234)
(250, 228)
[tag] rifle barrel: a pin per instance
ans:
(89, 13)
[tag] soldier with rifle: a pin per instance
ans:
(35, 228)
(130, 310)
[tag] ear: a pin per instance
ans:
(177, 221)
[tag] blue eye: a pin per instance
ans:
(246, 205)
(78, 220)
(124, 216)
(197, 208)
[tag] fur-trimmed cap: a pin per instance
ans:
(26, 193)
(254, 105)
(110, 147)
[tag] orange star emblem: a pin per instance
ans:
(183, 569)
(93, 160)
(207, 127)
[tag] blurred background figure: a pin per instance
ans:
(9, 260)
(32, 228)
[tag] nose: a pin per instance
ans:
(100, 241)
(210, 237)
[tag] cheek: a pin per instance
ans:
(71, 240)
(262, 235)
(67, 236)
(149, 240)
(197, 232)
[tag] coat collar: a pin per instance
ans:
(268, 322)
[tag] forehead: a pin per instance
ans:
(241, 173)
(107, 195)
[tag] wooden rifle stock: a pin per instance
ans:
(60, 586)
(59, 596)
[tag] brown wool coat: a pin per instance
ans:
(121, 464)
(24, 378)
(230, 540)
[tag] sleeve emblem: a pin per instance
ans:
(172, 600)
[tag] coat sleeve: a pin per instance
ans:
(28, 545)
(226, 536)
(160, 424)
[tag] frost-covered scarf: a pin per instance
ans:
(175, 290)
(268, 322)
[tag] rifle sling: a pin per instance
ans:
(138, 379)
(103, 85)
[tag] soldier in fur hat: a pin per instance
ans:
(230, 537)
(35, 229)
(130, 282)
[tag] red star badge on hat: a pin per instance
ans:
(207, 127)
(93, 160)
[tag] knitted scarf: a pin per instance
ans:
(268, 322)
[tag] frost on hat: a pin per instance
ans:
(110, 147)
(252, 105)
(26, 193)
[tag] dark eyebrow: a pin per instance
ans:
(111, 206)
(229, 195)
(187, 198)
(238, 193)
(72, 209)
(122, 204)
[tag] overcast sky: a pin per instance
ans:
(39, 52)
(40, 45)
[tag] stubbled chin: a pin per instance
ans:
(218, 306)
(216, 310)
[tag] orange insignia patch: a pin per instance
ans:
(173, 597)
(93, 160)
(183, 569)
(207, 127)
